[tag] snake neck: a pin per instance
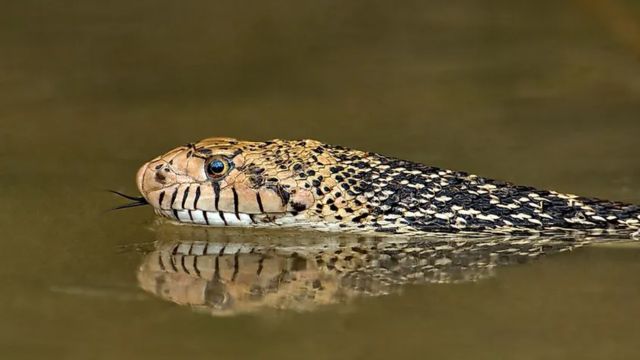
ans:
(409, 197)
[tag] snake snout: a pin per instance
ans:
(140, 179)
(151, 177)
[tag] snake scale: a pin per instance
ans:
(312, 185)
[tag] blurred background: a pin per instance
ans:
(527, 90)
(542, 92)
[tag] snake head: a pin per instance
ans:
(223, 181)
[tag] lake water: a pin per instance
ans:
(543, 93)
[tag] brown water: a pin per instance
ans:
(544, 93)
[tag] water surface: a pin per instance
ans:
(543, 93)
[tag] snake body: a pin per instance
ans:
(312, 185)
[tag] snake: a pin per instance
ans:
(307, 184)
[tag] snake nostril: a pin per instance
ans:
(160, 178)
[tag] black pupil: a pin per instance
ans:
(216, 166)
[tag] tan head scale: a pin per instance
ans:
(222, 181)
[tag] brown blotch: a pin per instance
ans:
(160, 178)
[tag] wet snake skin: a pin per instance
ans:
(311, 185)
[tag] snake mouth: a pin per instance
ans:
(210, 218)
(206, 203)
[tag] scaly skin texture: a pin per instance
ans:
(312, 185)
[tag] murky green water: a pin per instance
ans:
(541, 92)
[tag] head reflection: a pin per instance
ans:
(234, 271)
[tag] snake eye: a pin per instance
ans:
(217, 167)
